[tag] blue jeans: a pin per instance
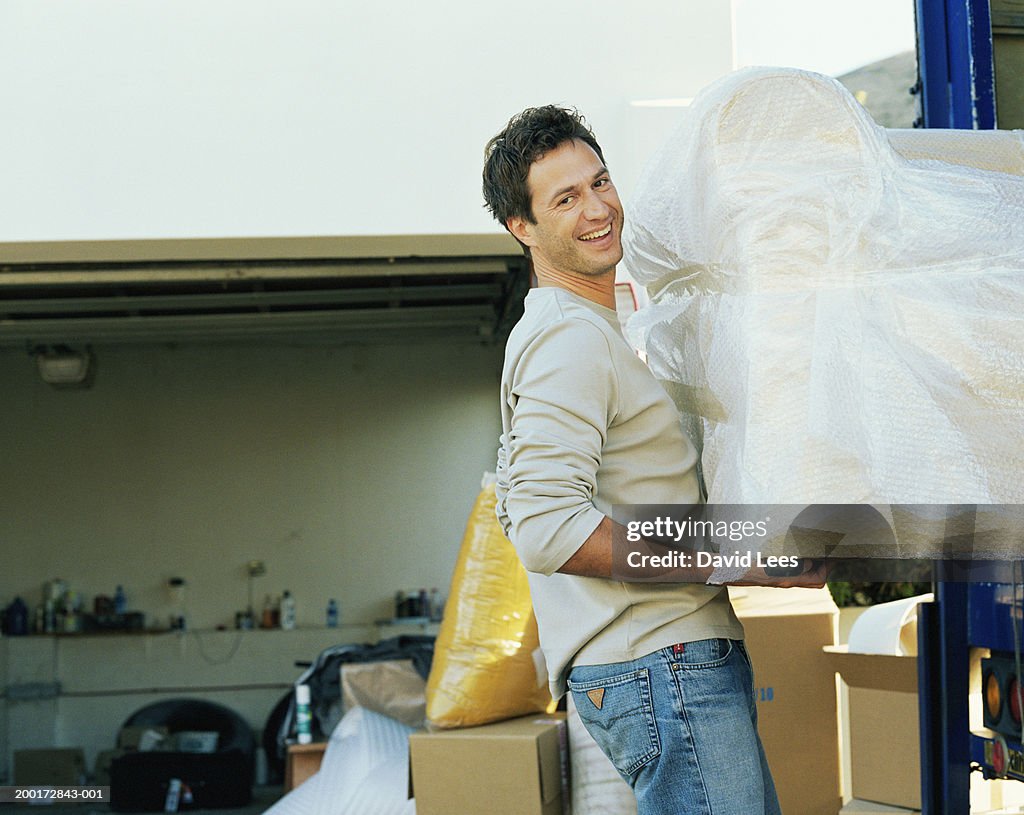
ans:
(680, 726)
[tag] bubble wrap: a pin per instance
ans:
(837, 322)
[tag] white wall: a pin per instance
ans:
(260, 117)
(350, 471)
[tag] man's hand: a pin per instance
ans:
(813, 577)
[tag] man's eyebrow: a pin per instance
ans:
(572, 187)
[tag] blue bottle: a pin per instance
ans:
(17, 618)
(332, 613)
(120, 601)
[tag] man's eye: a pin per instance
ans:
(565, 201)
(602, 182)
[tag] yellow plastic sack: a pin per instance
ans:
(487, 664)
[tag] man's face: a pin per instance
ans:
(578, 213)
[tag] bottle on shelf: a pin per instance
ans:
(267, 619)
(72, 612)
(17, 618)
(120, 600)
(244, 620)
(287, 611)
(332, 613)
(50, 616)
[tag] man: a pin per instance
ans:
(658, 671)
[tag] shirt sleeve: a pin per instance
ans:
(563, 397)
(501, 487)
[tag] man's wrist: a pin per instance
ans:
(726, 574)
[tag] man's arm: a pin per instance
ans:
(594, 559)
(549, 456)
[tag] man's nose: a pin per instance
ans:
(595, 208)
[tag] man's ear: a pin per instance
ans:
(520, 229)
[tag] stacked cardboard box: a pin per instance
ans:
(518, 765)
(795, 689)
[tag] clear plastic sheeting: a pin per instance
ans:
(1001, 151)
(487, 659)
(365, 769)
(837, 322)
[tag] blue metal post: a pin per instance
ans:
(929, 703)
(955, 64)
(954, 659)
(957, 86)
(943, 687)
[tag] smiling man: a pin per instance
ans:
(658, 671)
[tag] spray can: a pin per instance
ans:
(303, 716)
(173, 798)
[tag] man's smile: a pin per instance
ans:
(597, 234)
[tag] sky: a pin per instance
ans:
(827, 36)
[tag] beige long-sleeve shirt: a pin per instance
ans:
(586, 427)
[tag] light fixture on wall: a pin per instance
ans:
(64, 367)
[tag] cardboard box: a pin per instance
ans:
(59, 766)
(142, 737)
(795, 689)
(511, 766)
(101, 770)
(883, 722)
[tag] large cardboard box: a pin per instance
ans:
(515, 766)
(885, 750)
(884, 732)
(795, 689)
(58, 766)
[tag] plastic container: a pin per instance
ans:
(287, 611)
(332, 613)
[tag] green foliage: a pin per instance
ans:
(853, 593)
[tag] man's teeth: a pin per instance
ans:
(592, 236)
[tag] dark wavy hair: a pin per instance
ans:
(527, 137)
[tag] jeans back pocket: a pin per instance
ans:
(618, 712)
